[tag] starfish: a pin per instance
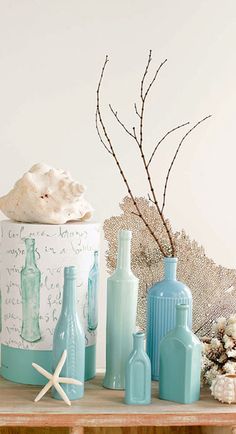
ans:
(54, 379)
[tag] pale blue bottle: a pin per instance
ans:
(69, 335)
(138, 374)
(93, 294)
(180, 362)
(122, 294)
(161, 310)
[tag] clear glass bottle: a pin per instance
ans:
(122, 293)
(30, 289)
(69, 335)
(93, 294)
(138, 374)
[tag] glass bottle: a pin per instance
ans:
(122, 293)
(180, 362)
(161, 310)
(30, 290)
(69, 335)
(93, 294)
(0, 311)
(138, 373)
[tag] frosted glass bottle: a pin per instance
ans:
(93, 295)
(138, 374)
(180, 362)
(30, 289)
(69, 335)
(161, 310)
(122, 294)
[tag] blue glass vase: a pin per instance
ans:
(138, 374)
(93, 294)
(161, 310)
(180, 362)
(69, 335)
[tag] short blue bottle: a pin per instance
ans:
(161, 310)
(69, 335)
(93, 294)
(180, 362)
(138, 374)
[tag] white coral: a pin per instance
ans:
(46, 195)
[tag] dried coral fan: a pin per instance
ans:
(209, 283)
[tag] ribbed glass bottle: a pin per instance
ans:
(161, 310)
(122, 294)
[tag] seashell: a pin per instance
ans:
(223, 388)
(46, 195)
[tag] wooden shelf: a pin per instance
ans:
(105, 408)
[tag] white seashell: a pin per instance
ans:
(46, 195)
(223, 388)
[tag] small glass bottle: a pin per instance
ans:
(93, 294)
(30, 289)
(180, 362)
(69, 335)
(122, 294)
(138, 374)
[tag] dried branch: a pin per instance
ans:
(174, 158)
(136, 110)
(119, 121)
(163, 138)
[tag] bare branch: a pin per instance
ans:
(174, 158)
(154, 78)
(99, 134)
(145, 74)
(136, 110)
(151, 200)
(163, 138)
(119, 121)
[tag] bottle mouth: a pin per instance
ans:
(139, 334)
(125, 234)
(30, 241)
(70, 272)
(169, 260)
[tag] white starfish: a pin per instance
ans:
(54, 379)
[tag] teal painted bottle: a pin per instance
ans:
(138, 374)
(180, 362)
(69, 335)
(93, 295)
(161, 310)
(0, 311)
(122, 294)
(30, 289)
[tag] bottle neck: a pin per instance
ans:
(182, 315)
(95, 262)
(124, 257)
(138, 339)
(69, 300)
(170, 267)
(30, 255)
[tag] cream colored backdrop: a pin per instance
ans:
(51, 52)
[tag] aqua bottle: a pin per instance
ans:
(180, 362)
(0, 311)
(69, 335)
(93, 294)
(30, 290)
(161, 310)
(122, 293)
(138, 374)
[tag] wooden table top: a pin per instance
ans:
(103, 407)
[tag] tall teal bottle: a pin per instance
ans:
(138, 374)
(69, 335)
(180, 362)
(122, 293)
(93, 294)
(161, 310)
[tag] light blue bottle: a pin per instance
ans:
(180, 362)
(138, 374)
(69, 335)
(161, 310)
(93, 295)
(122, 294)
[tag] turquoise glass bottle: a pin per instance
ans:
(69, 335)
(161, 310)
(138, 374)
(122, 294)
(180, 362)
(93, 295)
(30, 290)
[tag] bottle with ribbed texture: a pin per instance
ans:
(180, 362)
(69, 335)
(122, 293)
(161, 310)
(138, 374)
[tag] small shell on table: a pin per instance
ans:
(223, 388)
(46, 195)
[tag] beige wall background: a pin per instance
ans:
(51, 53)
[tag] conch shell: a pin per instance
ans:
(46, 195)
(223, 388)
